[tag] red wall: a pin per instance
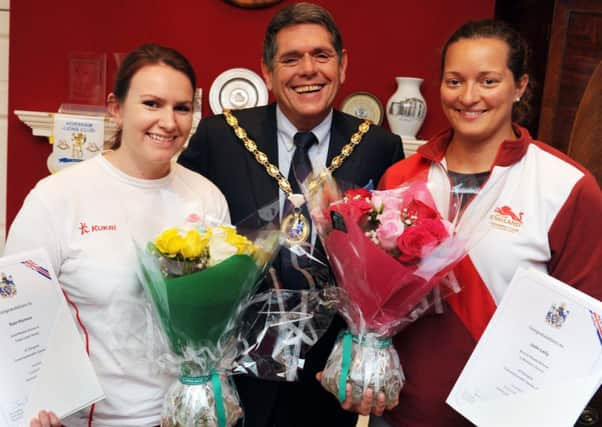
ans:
(384, 38)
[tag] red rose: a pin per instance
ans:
(358, 193)
(353, 211)
(420, 239)
(421, 210)
(359, 200)
(338, 206)
(360, 205)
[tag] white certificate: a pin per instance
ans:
(43, 362)
(539, 360)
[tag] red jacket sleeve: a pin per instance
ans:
(576, 239)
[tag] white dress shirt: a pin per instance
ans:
(318, 153)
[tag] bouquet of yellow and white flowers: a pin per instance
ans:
(198, 278)
(186, 250)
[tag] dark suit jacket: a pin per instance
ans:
(215, 152)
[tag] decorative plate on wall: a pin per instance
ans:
(253, 4)
(237, 88)
(363, 105)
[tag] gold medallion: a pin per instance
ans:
(295, 227)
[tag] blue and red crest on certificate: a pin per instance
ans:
(557, 315)
(7, 286)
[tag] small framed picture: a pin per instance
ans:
(87, 78)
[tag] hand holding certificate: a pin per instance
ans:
(538, 362)
(43, 362)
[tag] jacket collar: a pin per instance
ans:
(260, 125)
(509, 152)
(262, 129)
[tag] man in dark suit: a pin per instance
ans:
(304, 65)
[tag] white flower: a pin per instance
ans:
(219, 248)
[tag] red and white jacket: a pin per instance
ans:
(538, 209)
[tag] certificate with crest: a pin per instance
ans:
(43, 362)
(538, 362)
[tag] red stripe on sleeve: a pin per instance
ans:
(87, 342)
(474, 304)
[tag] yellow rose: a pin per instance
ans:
(216, 243)
(194, 244)
(241, 243)
(162, 240)
(175, 245)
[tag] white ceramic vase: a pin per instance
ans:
(406, 109)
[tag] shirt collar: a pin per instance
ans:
(287, 131)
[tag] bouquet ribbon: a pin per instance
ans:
(216, 386)
(345, 363)
(348, 339)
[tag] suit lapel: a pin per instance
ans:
(261, 128)
(340, 134)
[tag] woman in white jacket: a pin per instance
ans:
(88, 215)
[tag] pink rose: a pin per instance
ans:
(386, 200)
(390, 229)
(389, 215)
(420, 239)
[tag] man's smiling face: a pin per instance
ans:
(306, 75)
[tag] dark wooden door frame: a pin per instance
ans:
(563, 11)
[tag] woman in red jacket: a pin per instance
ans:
(539, 207)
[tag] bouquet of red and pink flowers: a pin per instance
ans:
(390, 251)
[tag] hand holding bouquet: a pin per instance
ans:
(388, 250)
(197, 277)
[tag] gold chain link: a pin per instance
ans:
(273, 170)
